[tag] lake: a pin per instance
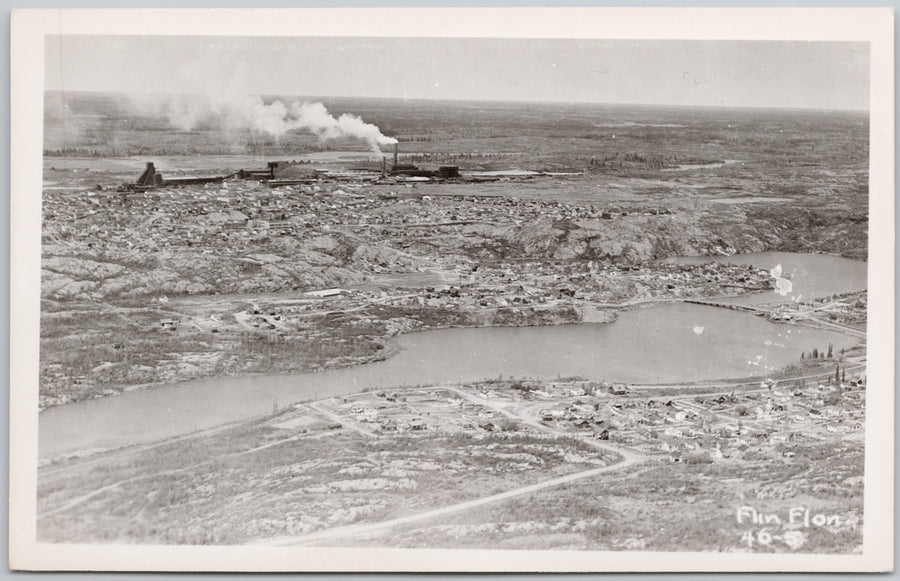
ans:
(811, 275)
(675, 342)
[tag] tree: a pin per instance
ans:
(837, 374)
(829, 350)
(815, 353)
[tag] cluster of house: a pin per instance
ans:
(487, 290)
(768, 422)
(417, 410)
(850, 309)
(772, 421)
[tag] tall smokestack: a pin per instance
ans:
(395, 154)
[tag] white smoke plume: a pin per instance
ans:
(275, 118)
(316, 118)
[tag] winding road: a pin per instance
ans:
(627, 458)
(364, 529)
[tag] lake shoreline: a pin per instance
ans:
(680, 343)
(390, 350)
(390, 347)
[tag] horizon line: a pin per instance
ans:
(444, 100)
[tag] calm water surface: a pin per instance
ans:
(663, 343)
(811, 275)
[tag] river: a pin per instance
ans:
(664, 343)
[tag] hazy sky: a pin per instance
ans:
(824, 75)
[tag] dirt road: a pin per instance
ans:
(363, 529)
(529, 418)
(628, 458)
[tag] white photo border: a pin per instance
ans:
(28, 29)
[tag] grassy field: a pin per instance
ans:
(259, 480)
(672, 507)
(318, 468)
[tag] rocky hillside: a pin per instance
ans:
(320, 259)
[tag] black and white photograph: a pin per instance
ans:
(581, 300)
